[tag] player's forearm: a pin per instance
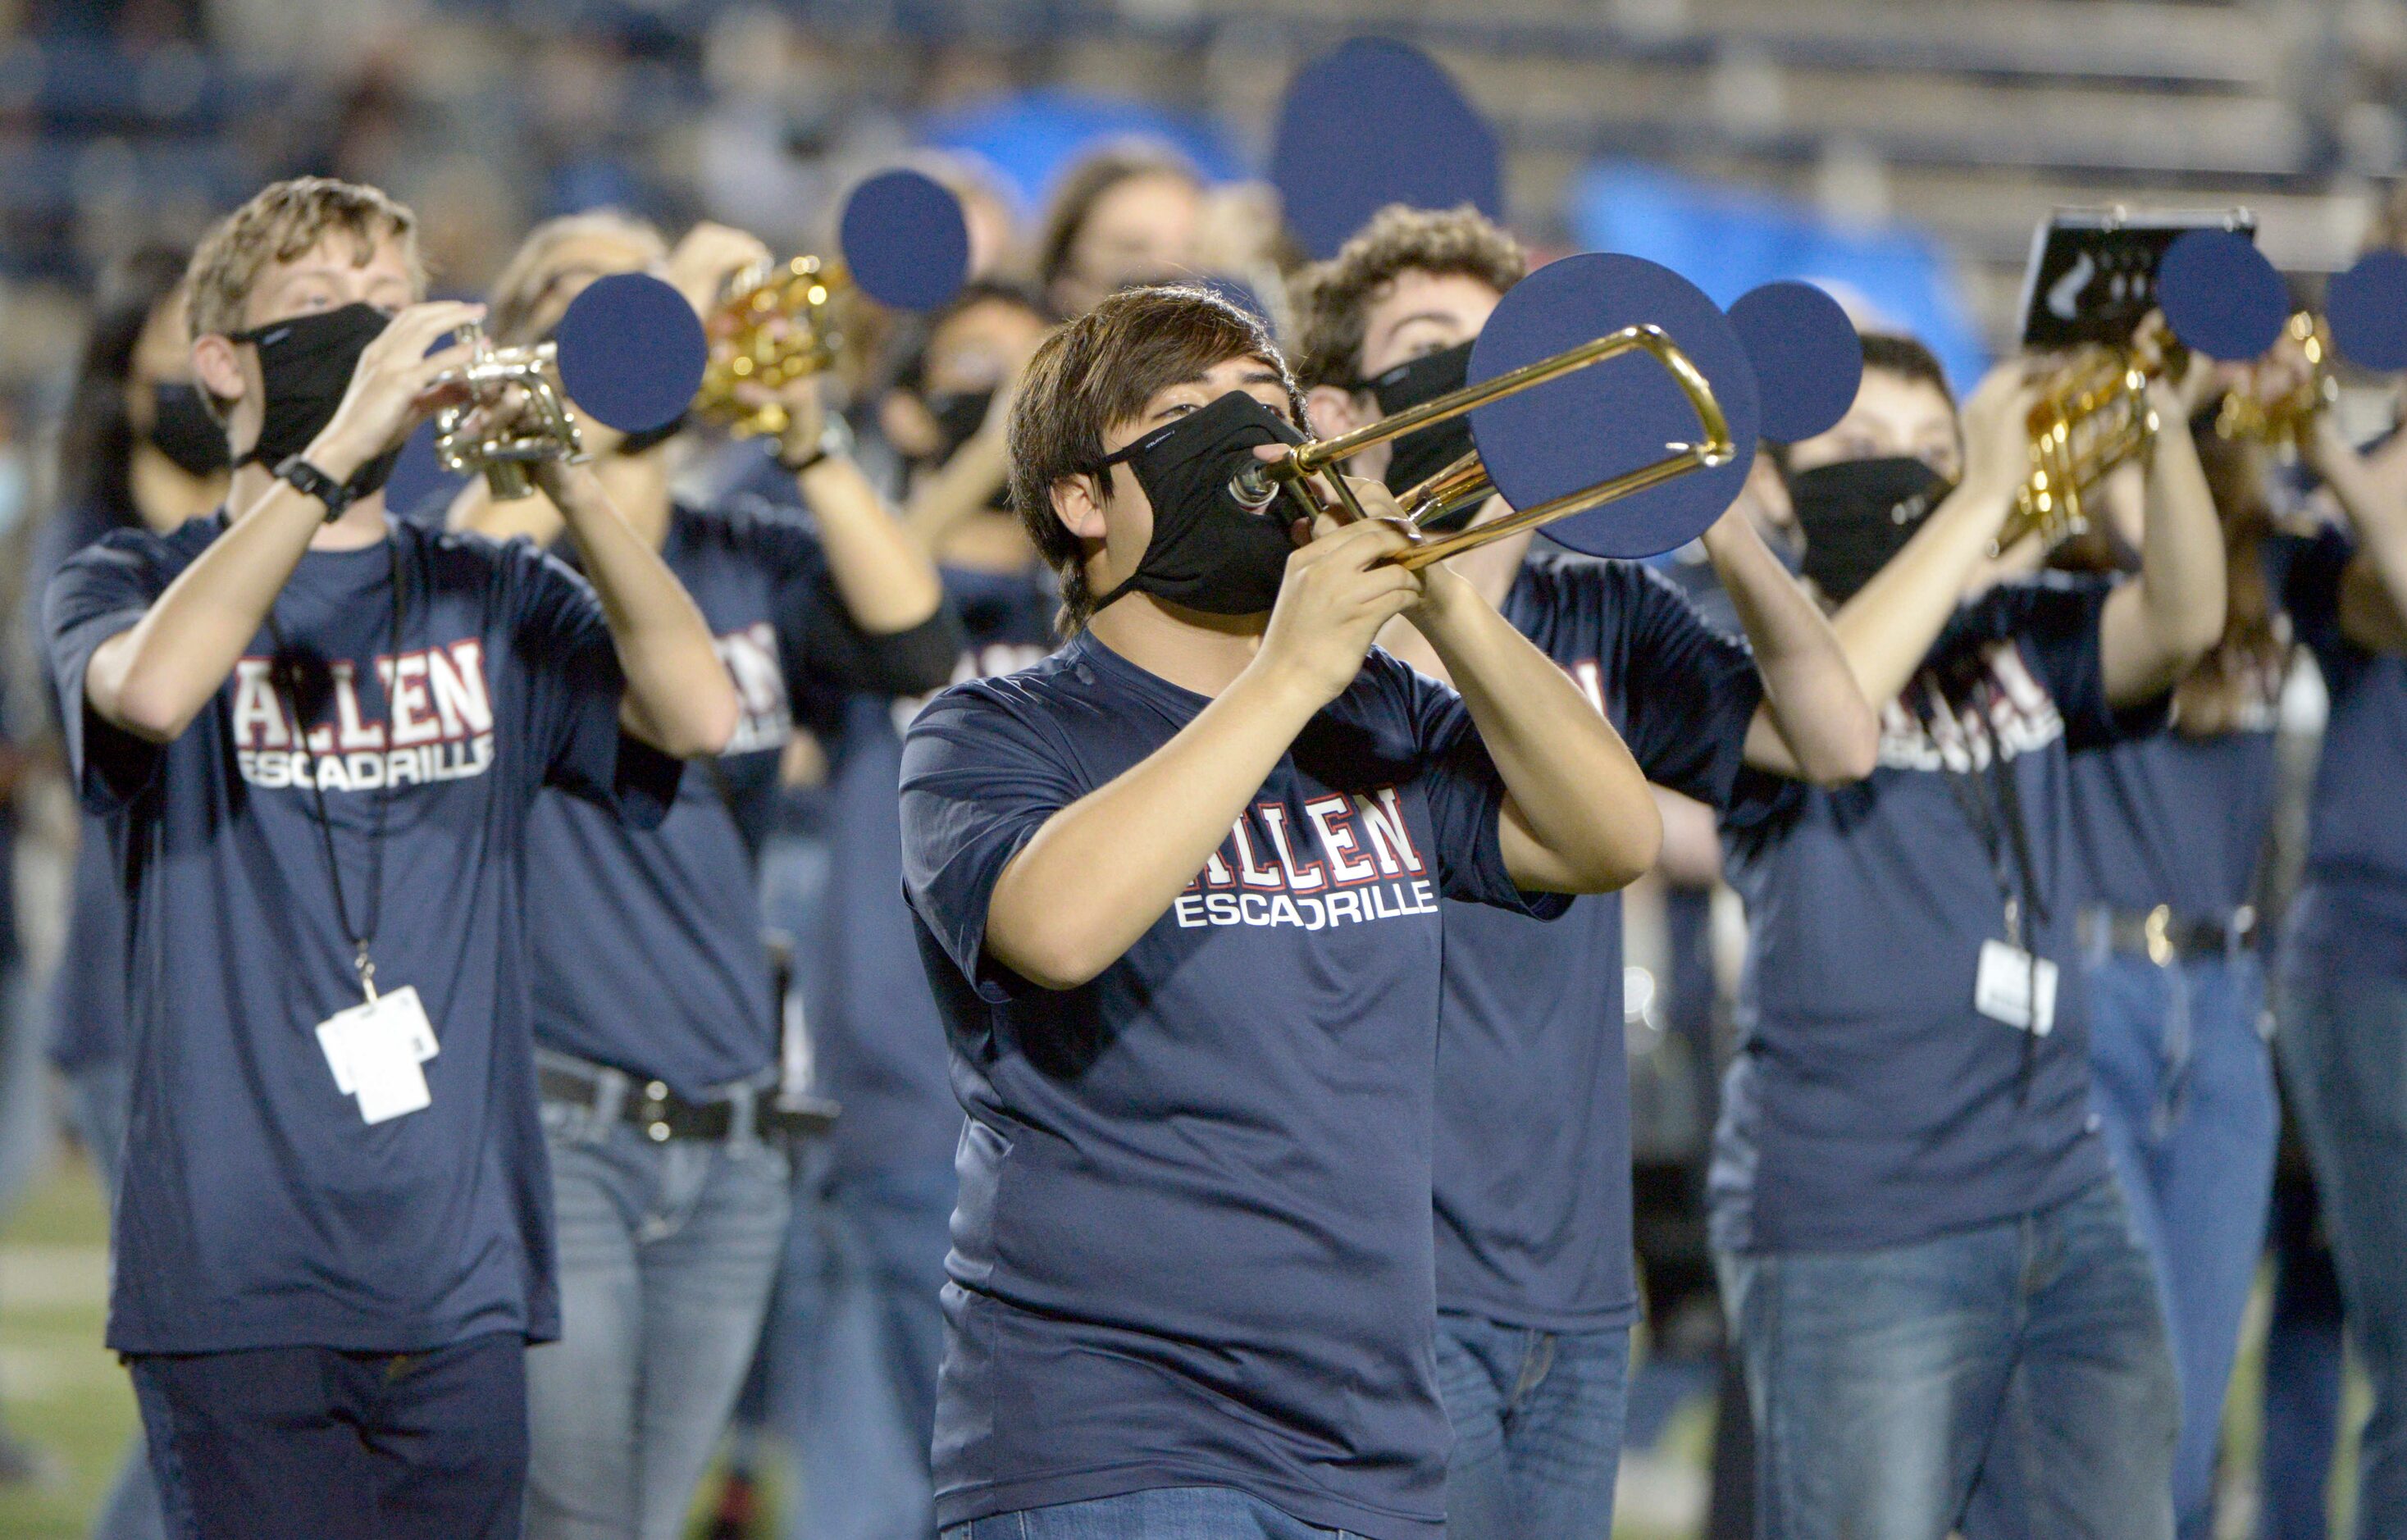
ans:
(1574, 787)
(958, 492)
(2162, 622)
(884, 575)
(1100, 871)
(1814, 722)
(1887, 629)
(679, 698)
(2373, 614)
(154, 677)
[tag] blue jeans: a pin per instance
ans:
(2007, 1380)
(319, 1444)
(857, 1336)
(1537, 1429)
(2343, 1045)
(1165, 1513)
(667, 1252)
(2304, 1357)
(2183, 1082)
(99, 1096)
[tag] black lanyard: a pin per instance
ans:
(1992, 801)
(287, 675)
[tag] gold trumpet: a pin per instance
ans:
(506, 454)
(777, 324)
(2093, 417)
(1466, 480)
(2286, 418)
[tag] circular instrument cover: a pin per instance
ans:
(2221, 296)
(1374, 123)
(1616, 416)
(904, 240)
(1808, 361)
(2367, 311)
(631, 351)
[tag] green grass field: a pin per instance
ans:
(61, 1391)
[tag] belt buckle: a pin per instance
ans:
(2157, 928)
(652, 1111)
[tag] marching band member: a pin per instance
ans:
(1126, 214)
(1177, 891)
(2170, 836)
(657, 1038)
(883, 1207)
(1535, 1289)
(1944, 1313)
(2343, 992)
(321, 734)
(139, 449)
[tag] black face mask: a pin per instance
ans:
(305, 367)
(1419, 456)
(182, 429)
(1859, 513)
(1209, 551)
(958, 414)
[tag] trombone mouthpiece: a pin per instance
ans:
(1253, 488)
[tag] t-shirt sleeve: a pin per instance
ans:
(979, 778)
(97, 593)
(574, 690)
(1690, 696)
(1466, 800)
(826, 653)
(2055, 624)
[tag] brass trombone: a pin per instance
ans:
(1466, 480)
(507, 455)
(778, 324)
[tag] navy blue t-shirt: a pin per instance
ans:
(1534, 1083)
(878, 1041)
(87, 996)
(647, 948)
(258, 1210)
(2351, 913)
(1870, 1104)
(1192, 1246)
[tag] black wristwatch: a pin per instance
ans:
(836, 437)
(309, 481)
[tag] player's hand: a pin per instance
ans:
(709, 257)
(1338, 592)
(1997, 432)
(396, 385)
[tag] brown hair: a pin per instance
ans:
(526, 281)
(1097, 372)
(2244, 672)
(1084, 186)
(1331, 297)
(280, 223)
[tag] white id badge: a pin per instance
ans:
(375, 1050)
(2015, 988)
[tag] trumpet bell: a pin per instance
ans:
(779, 323)
(481, 435)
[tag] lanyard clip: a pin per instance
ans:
(367, 972)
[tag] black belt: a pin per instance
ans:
(2163, 936)
(664, 1115)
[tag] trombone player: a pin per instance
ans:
(1536, 1293)
(1177, 891)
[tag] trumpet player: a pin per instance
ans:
(1533, 1194)
(655, 1029)
(1945, 1316)
(2343, 975)
(1177, 891)
(320, 735)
